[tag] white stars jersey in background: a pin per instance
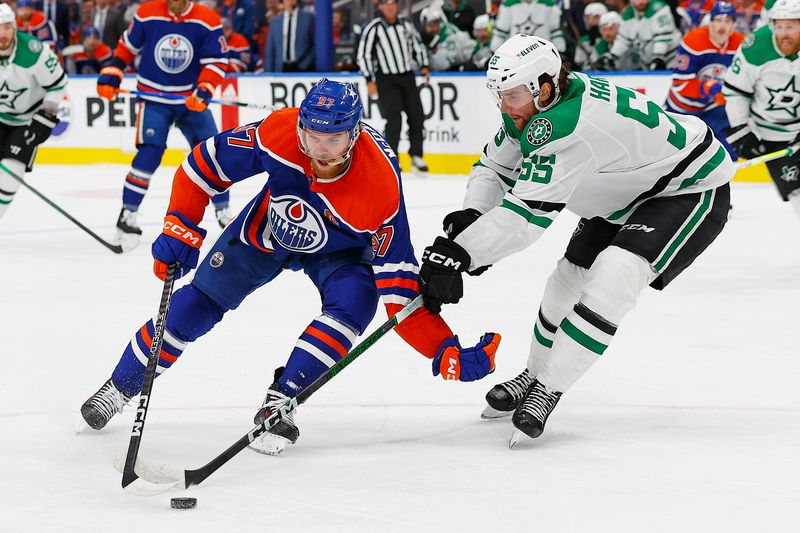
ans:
(32, 76)
(647, 35)
(177, 52)
(763, 86)
(541, 18)
(600, 152)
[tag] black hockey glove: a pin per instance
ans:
(41, 127)
(744, 141)
(440, 275)
(458, 221)
(657, 63)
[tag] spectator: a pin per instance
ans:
(240, 56)
(33, 22)
(617, 5)
(460, 14)
(591, 35)
(110, 22)
(387, 65)
(96, 54)
(341, 33)
(57, 12)
(241, 14)
(290, 43)
(750, 15)
(482, 30)
(448, 47)
(344, 43)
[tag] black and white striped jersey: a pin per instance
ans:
(390, 48)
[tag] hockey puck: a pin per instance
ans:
(183, 503)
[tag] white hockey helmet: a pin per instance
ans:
(482, 22)
(521, 60)
(785, 9)
(431, 14)
(7, 15)
(595, 9)
(612, 17)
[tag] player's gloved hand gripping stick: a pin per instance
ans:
(151, 479)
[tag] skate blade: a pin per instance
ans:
(268, 444)
(516, 436)
(490, 413)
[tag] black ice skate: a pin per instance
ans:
(418, 164)
(128, 232)
(531, 414)
(103, 405)
(504, 397)
(284, 432)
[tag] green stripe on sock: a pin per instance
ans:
(582, 338)
(542, 222)
(540, 338)
(706, 169)
(5, 202)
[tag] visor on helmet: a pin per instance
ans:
(332, 148)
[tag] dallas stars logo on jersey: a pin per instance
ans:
(8, 95)
(785, 98)
(539, 131)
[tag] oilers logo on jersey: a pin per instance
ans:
(173, 53)
(297, 226)
(714, 71)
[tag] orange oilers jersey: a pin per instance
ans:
(298, 213)
(38, 26)
(699, 60)
(239, 54)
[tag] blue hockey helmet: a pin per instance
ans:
(330, 121)
(723, 9)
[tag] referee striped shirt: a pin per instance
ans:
(390, 48)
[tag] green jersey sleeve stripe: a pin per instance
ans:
(542, 222)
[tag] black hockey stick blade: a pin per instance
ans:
(116, 248)
(172, 477)
(131, 481)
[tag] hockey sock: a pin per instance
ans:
(136, 184)
(221, 201)
(128, 376)
(8, 185)
(562, 291)
(323, 343)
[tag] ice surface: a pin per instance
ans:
(690, 422)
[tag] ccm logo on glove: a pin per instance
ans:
(175, 228)
(439, 259)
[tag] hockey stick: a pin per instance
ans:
(786, 152)
(116, 248)
(130, 480)
(187, 478)
(220, 101)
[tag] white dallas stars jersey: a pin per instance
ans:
(648, 35)
(31, 76)
(601, 151)
(762, 87)
(541, 18)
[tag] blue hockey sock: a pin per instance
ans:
(128, 376)
(136, 185)
(323, 343)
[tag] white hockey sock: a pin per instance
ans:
(8, 185)
(561, 293)
(794, 199)
(613, 285)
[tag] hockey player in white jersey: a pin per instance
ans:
(651, 188)
(648, 36)
(533, 17)
(449, 48)
(32, 85)
(762, 88)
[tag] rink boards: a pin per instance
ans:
(460, 117)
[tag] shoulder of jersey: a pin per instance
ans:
(237, 41)
(655, 6)
(371, 174)
(156, 8)
(759, 47)
(698, 41)
(628, 13)
(509, 3)
(204, 14)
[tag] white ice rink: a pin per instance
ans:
(690, 422)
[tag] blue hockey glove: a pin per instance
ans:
(110, 78)
(179, 243)
(466, 364)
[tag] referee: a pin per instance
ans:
(385, 53)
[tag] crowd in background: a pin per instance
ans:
(460, 34)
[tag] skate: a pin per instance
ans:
(128, 232)
(103, 405)
(504, 397)
(532, 412)
(418, 165)
(224, 216)
(284, 432)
